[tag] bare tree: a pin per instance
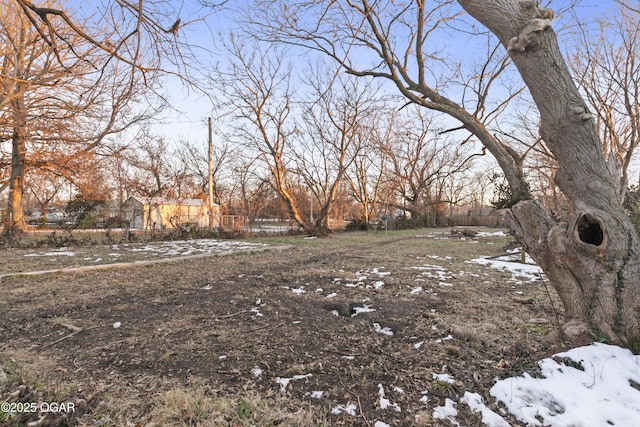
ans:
(477, 190)
(592, 258)
(399, 37)
(369, 167)
(339, 120)
(193, 160)
(305, 145)
(143, 36)
(608, 73)
(118, 172)
(90, 178)
(256, 88)
(421, 159)
(111, 55)
(45, 188)
(252, 192)
(55, 103)
(149, 166)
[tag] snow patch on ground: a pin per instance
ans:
(528, 270)
(447, 338)
(445, 378)
(491, 234)
(489, 417)
(385, 403)
(595, 385)
(605, 392)
(446, 412)
(299, 291)
(160, 249)
(61, 252)
(349, 408)
(434, 272)
(284, 382)
(361, 279)
(364, 309)
(190, 247)
(384, 331)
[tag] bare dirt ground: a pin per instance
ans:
(303, 332)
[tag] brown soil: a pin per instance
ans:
(212, 324)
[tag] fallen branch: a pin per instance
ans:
(67, 336)
(226, 316)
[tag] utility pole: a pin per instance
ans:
(210, 175)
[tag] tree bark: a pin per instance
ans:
(593, 259)
(15, 221)
(285, 193)
(15, 215)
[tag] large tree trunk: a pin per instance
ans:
(295, 213)
(282, 188)
(593, 259)
(14, 221)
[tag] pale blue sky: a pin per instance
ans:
(204, 27)
(197, 107)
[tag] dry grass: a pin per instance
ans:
(190, 335)
(198, 406)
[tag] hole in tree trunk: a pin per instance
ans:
(590, 230)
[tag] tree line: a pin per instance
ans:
(335, 147)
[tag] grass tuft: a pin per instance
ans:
(197, 406)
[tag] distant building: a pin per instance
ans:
(159, 213)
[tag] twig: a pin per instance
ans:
(226, 316)
(67, 336)
(360, 407)
(61, 339)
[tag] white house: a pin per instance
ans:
(160, 213)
